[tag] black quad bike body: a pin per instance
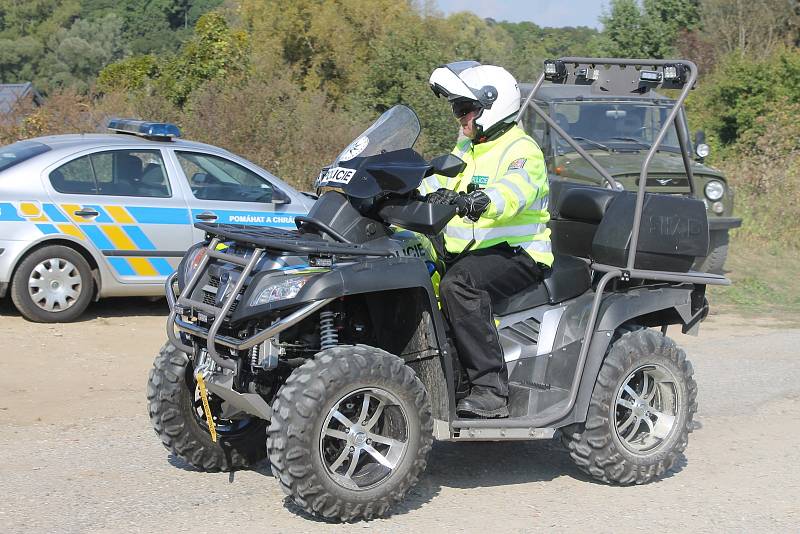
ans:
(325, 349)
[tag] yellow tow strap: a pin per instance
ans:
(201, 384)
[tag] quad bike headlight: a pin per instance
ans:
(193, 258)
(286, 289)
(714, 190)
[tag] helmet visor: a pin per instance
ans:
(444, 82)
(463, 107)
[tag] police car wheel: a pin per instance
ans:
(52, 284)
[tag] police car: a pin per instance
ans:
(90, 216)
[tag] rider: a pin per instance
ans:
(499, 244)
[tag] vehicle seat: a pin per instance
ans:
(153, 182)
(127, 173)
(568, 278)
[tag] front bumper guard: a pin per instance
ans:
(175, 321)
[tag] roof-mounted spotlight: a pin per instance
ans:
(587, 73)
(652, 76)
(555, 70)
(675, 73)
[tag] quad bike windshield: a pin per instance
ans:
(396, 129)
(380, 161)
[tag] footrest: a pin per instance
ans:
(532, 400)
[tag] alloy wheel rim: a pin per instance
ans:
(364, 438)
(55, 285)
(646, 408)
(223, 426)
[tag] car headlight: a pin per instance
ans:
(286, 289)
(702, 150)
(714, 190)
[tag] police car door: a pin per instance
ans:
(227, 191)
(122, 202)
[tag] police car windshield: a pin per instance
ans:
(11, 155)
(396, 129)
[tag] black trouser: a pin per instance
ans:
(467, 291)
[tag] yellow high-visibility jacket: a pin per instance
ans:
(512, 172)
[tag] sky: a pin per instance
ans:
(542, 12)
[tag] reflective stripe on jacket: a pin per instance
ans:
(511, 171)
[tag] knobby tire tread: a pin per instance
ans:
(169, 404)
(591, 445)
(291, 441)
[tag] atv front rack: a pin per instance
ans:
(259, 240)
(286, 240)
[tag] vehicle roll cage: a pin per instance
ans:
(571, 75)
(629, 271)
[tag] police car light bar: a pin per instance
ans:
(155, 130)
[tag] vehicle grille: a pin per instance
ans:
(667, 183)
(210, 297)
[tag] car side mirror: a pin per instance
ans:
(700, 147)
(699, 137)
(279, 197)
(199, 178)
(448, 165)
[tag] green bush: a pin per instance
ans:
(729, 102)
(764, 168)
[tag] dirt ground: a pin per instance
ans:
(78, 453)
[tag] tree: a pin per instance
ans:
(19, 58)
(152, 26)
(751, 28)
(531, 45)
(128, 75)
(732, 99)
(214, 51)
(647, 30)
(74, 56)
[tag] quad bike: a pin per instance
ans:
(325, 349)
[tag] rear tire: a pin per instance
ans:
(334, 420)
(171, 405)
(617, 444)
(52, 284)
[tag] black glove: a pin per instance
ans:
(442, 196)
(472, 205)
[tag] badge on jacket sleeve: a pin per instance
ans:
(517, 164)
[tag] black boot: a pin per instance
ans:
(482, 402)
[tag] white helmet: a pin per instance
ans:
(493, 88)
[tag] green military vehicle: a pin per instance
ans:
(614, 117)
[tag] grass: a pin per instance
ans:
(766, 281)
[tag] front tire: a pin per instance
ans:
(640, 413)
(350, 433)
(52, 284)
(177, 418)
(718, 253)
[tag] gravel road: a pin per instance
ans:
(78, 453)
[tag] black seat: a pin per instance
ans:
(568, 278)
